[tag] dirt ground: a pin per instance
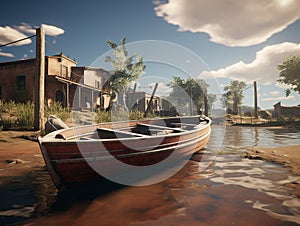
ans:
(23, 176)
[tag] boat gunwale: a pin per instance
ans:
(126, 155)
(50, 138)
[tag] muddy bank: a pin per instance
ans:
(286, 156)
(26, 187)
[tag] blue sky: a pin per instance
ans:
(217, 40)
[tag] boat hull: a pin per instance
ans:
(73, 162)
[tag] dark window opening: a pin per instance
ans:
(20, 82)
(59, 96)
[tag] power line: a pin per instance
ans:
(16, 41)
(52, 47)
(248, 87)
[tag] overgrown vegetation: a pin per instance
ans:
(119, 116)
(20, 116)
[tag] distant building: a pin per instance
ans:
(63, 82)
(280, 110)
(139, 101)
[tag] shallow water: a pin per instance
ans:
(221, 189)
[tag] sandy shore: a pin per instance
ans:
(286, 156)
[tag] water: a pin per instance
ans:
(221, 189)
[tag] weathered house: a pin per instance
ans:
(138, 101)
(290, 111)
(63, 82)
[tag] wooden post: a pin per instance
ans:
(68, 96)
(39, 121)
(132, 95)
(206, 105)
(191, 101)
(255, 101)
(150, 101)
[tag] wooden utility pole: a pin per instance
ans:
(191, 101)
(206, 105)
(39, 92)
(255, 100)
(150, 101)
(131, 99)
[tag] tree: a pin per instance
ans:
(125, 69)
(234, 95)
(289, 73)
(190, 90)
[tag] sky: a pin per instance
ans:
(216, 40)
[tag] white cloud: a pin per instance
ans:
(6, 54)
(231, 22)
(9, 34)
(278, 98)
(275, 93)
(25, 28)
(162, 89)
(16, 32)
(52, 30)
(262, 69)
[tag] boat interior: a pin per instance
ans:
(128, 129)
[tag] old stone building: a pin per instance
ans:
(289, 111)
(66, 83)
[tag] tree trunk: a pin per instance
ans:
(122, 100)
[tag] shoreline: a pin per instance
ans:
(287, 156)
(23, 175)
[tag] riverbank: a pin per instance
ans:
(28, 192)
(287, 156)
(26, 187)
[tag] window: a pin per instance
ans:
(97, 84)
(64, 71)
(20, 82)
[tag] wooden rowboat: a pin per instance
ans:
(74, 155)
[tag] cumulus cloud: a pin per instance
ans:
(25, 28)
(6, 54)
(262, 69)
(10, 34)
(16, 32)
(278, 98)
(162, 89)
(231, 22)
(52, 30)
(275, 93)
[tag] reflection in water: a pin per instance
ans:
(227, 191)
(235, 137)
(266, 178)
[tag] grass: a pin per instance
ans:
(20, 116)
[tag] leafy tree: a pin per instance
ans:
(234, 95)
(289, 73)
(178, 94)
(211, 98)
(189, 89)
(125, 69)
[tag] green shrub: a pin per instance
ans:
(103, 116)
(57, 110)
(25, 116)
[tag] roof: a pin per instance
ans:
(61, 55)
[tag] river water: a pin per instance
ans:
(220, 189)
